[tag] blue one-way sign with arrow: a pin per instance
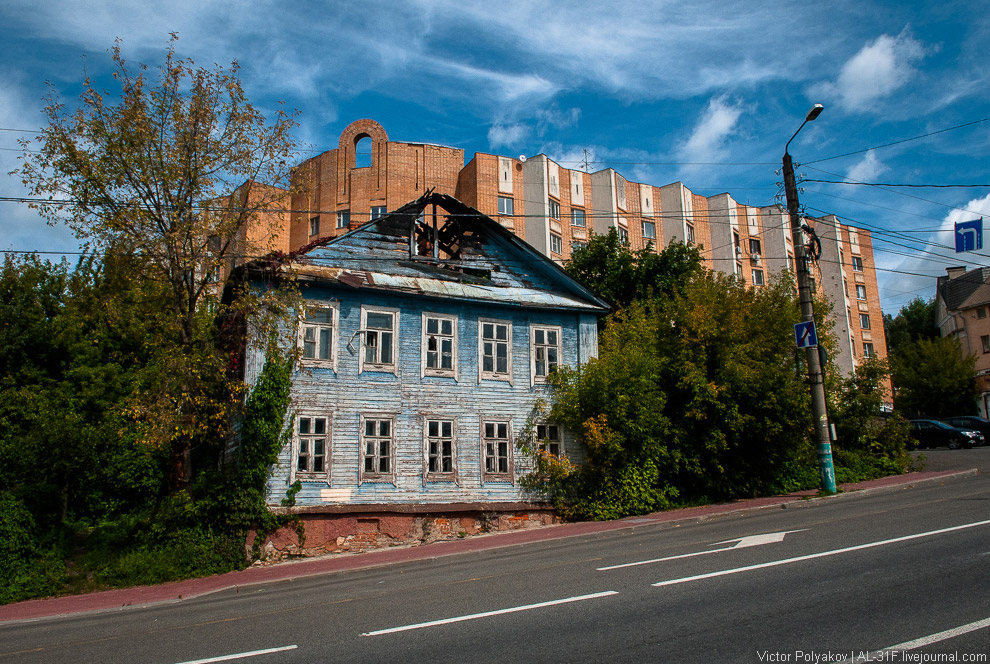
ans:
(805, 334)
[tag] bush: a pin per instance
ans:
(26, 568)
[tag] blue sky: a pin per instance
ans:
(702, 92)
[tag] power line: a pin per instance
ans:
(892, 184)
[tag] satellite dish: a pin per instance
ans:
(522, 158)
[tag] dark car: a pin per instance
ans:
(932, 433)
(970, 422)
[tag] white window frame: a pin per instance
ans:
(553, 209)
(758, 282)
(439, 475)
(387, 367)
(579, 214)
(314, 226)
(864, 318)
(545, 442)
(494, 374)
(652, 227)
(298, 438)
(623, 234)
(556, 244)
(506, 205)
(868, 350)
(534, 349)
(496, 475)
(378, 211)
(857, 264)
(343, 218)
(860, 292)
(376, 475)
(330, 363)
(438, 371)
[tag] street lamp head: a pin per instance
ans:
(815, 111)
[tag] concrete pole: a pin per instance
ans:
(818, 406)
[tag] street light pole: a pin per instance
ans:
(818, 405)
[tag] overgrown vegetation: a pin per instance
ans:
(120, 377)
(698, 394)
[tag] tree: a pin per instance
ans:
(172, 173)
(916, 320)
(932, 377)
(609, 267)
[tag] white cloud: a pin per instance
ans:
(507, 136)
(867, 169)
(716, 124)
(881, 67)
(978, 207)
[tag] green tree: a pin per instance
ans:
(916, 320)
(609, 267)
(933, 378)
(169, 173)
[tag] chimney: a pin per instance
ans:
(955, 272)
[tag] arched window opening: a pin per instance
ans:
(362, 152)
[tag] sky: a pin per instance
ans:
(702, 92)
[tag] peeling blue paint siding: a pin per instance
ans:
(345, 395)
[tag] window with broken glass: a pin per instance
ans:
(377, 448)
(378, 342)
(496, 349)
(316, 336)
(312, 443)
(546, 352)
(549, 439)
(440, 455)
(496, 450)
(439, 345)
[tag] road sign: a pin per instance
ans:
(969, 235)
(805, 334)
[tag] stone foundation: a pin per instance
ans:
(332, 531)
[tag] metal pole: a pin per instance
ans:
(818, 406)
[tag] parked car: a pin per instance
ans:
(932, 433)
(970, 422)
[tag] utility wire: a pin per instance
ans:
(903, 140)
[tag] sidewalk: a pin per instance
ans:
(116, 600)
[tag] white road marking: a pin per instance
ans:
(486, 614)
(926, 640)
(740, 543)
(240, 655)
(821, 554)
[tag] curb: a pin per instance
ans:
(178, 591)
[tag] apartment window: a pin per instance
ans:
(857, 264)
(860, 292)
(623, 235)
(314, 226)
(506, 205)
(578, 217)
(545, 352)
(548, 436)
(737, 270)
(864, 321)
(440, 450)
(378, 211)
(754, 246)
(985, 340)
(649, 230)
(316, 336)
(496, 450)
(869, 352)
(578, 245)
(378, 342)
(758, 277)
(343, 218)
(981, 312)
(690, 233)
(556, 244)
(377, 448)
(554, 209)
(496, 347)
(312, 443)
(439, 345)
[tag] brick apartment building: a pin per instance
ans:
(962, 300)
(556, 209)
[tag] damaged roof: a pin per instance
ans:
(437, 246)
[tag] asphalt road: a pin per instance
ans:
(813, 582)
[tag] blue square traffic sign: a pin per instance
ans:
(969, 235)
(805, 334)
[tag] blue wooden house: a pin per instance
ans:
(425, 342)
